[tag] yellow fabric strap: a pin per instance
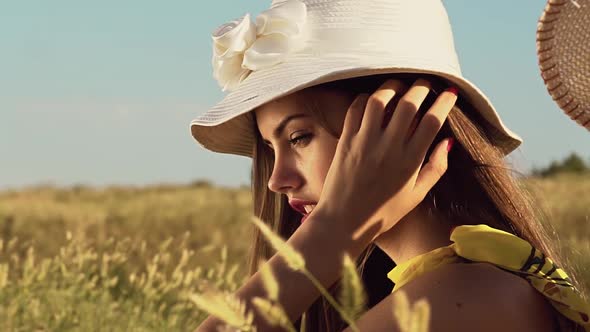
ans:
(482, 243)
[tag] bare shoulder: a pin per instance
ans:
(478, 293)
(469, 297)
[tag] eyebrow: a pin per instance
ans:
(279, 129)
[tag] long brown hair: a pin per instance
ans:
(477, 188)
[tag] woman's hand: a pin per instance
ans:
(376, 176)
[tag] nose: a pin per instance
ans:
(284, 177)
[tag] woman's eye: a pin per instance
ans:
(295, 141)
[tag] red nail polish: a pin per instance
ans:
(453, 90)
(450, 144)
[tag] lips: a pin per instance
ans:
(298, 205)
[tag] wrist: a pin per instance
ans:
(338, 230)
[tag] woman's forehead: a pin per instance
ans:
(328, 106)
(278, 107)
(299, 101)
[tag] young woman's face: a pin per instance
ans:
(303, 149)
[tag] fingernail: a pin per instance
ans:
(453, 90)
(450, 144)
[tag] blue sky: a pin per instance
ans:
(102, 93)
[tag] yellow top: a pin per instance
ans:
(482, 243)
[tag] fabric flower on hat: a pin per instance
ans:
(242, 46)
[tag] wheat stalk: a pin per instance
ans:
(296, 262)
(410, 319)
(269, 281)
(226, 307)
(273, 313)
(294, 259)
(352, 296)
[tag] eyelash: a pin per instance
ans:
(295, 141)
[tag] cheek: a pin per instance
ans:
(324, 160)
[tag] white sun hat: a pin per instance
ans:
(563, 50)
(296, 44)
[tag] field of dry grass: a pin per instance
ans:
(125, 258)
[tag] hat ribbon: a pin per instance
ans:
(242, 46)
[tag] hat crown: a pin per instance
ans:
(418, 29)
(311, 42)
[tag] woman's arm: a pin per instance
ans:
(322, 242)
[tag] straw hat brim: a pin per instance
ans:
(229, 126)
(563, 49)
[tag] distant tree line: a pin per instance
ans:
(571, 164)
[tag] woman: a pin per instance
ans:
(369, 143)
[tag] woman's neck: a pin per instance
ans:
(415, 234)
